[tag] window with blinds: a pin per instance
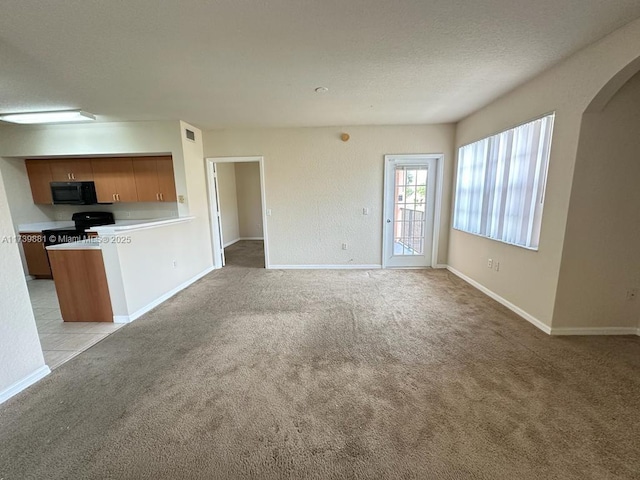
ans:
(500, 184)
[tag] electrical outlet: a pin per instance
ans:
(490, 263)
(175, 264)
(632, 294)
(127, 214)
(344, 246)
(365, 211)
(496, 265)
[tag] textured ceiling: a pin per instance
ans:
(234, 63)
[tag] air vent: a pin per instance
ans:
(191, 135)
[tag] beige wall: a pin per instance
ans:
(529, 279)
(601, 258)
(317, 186)
(249, 201)
(20, 352)
(228, 202)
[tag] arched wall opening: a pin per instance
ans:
(600, 268)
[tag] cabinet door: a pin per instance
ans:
(35, 254)
(39, 173)
(146, 178)
(105, 179)
(166, 179)
(114, 180)
(126, 190)
(70, 170)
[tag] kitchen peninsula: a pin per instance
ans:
(92, 281)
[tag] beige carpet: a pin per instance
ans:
(264, 374)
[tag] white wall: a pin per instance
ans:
(249, 199)
(601, 258)
(529, 279)
(21, 205)
(228, 202)
(20, 351)
(317, 185)
(151, 263)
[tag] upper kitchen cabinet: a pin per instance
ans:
(71, 170)
(155, 180)
(39, 173)
(114, 179)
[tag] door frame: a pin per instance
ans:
(216, 228)
(437, 213)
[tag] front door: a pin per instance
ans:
(409, 208)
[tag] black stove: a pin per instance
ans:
(83, 221)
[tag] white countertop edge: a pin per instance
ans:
(115, 229)
(79, 245)
(45, 225)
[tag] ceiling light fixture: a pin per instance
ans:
(58, 116)
(322, 89)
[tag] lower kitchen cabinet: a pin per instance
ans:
(35, 254)
(81, 284)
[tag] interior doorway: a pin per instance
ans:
(238, 211)
(410, 226)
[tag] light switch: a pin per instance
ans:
(268, 212)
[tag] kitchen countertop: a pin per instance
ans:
(89, 244)
(132, 225)
(39, 226)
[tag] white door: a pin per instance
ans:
(409, 209)
(217, 213)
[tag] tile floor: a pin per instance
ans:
(61, 341)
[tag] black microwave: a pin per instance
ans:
(73, 193)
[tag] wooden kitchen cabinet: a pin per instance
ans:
(81, 285)
(35, 254)
(114, 179)
(39, 173)
(71, 170)
(154, 179)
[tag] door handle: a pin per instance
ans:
(388, 221)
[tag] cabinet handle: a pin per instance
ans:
(161, 198)
(157, 197)
(118, 195)
(113, 196)
(68, 176)
(73, 176)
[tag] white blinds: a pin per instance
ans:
(500, 184)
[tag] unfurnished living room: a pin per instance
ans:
(319, 239)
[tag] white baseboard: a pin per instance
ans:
(228, 244)
(251, 238)
(439, 265)
(159, 300)
(325, 267)
(26, 382)
(595, 331)
(28, 278)
(527, 316)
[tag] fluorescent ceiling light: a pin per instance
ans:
(48, 117)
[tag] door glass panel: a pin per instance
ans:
(409, 210)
